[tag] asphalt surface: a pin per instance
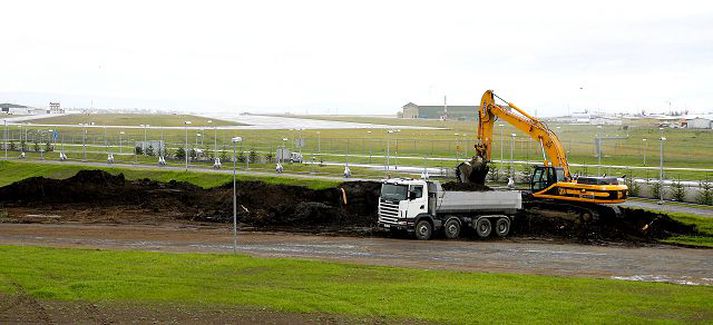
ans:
(652, 263)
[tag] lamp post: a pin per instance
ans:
(120, 134)
(235, 202)
(396, 150)
(388, 149)
(457, 147)
(5, 142)
(644, 149)
(215, 138)
(512, 151)
(185, 152)
(84, 141)
(369, 140)
(598, 142)
(502, 141)
(662, 139)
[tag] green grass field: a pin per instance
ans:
(684, 147)
(133, 120)
(336, 288)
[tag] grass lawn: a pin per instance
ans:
(12, 171)
(133, 119)
(704, 225)
(327, 287)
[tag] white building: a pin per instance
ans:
(699, 123)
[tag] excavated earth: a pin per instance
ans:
(351, 208)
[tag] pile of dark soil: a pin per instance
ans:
(352, 204)
(628, 225)
(97, 196)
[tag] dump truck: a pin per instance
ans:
(423, 207)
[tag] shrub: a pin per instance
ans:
(706, 194)
(138, 150)
(678, 191)
(657, 189)
(149, 151)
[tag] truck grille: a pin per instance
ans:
(388, 212)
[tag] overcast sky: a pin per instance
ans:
(361, 57)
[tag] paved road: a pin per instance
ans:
(660, 263)
(670, 207)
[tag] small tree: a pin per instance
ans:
(23, 145)
(241, 157)
(705, 196)
(269, 157)
(180, 153)
(36, 147)
(494, 173)
(149, 151)
(138, 150)
(48, 147)
(657, 189)
(678, 191)
(633, 185)
(166, 152)
(12, 146)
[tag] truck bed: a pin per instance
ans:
(493, 201)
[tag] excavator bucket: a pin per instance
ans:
(473, 171)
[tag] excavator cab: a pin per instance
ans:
(544, 176)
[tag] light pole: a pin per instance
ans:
(319, 144)
(185, 152)
(457, 147)
(120, 134)
(644, 149)
(396, 150)
(215, 138)
(512, 151)
(5, 143)
(599, 151)
(502, 142)
(235, 202)
(662, 139)
(369, 139)
(84, 141)
(388, 148)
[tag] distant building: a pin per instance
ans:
(450, 112)
(698, 123)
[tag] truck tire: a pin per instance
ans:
(424, 230)
(452, 229)
(483, 227)
(502, 227)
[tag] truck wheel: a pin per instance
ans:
(483, 227)
(424, 230)
(452, 229)
(502, 227)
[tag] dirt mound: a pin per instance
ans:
(97, 196)
(93, 193)
(628, 225)
(469, 187)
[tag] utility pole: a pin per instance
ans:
(185, 152)
(661, 168)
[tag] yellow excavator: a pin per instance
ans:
(550, 181)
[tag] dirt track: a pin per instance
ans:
(653, 263)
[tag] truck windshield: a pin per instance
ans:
(393, 192)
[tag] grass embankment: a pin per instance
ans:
(134, 120)
(15, 171)
(703, 224)
(325, 287)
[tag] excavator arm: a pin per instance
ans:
(555, 155)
